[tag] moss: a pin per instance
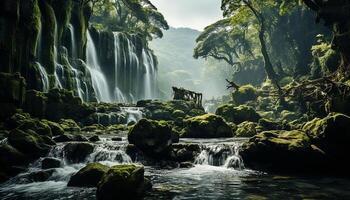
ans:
(56, 128)
(237, 114)
(285, 81)
(206, 126)
(179, 113)
(246, 129)
(69, 125)
(89, 176)
(123, 179)
(245, 93)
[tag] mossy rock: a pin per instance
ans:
(10, 158)
(49, 163)
(289, 116)
(89, 176)
(245, 93)
(56, 128)
(330, 133)
(29, 142)
(178, 113)
(269, 125)
(69, 125)
(238, 114)
(152, 137)
(282, 151)
(125, 180)
(77, 152)
(206, 126)
(246, 129)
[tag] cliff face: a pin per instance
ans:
(37, 40)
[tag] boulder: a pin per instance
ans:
(94, 138)
(77, 152)
(56, 128)
(69, 125)
(238, 114)
(89, 176)
(9, 159)
(152, 137)
(245, 93)
(206, 126)
(123, 180)
(282, 151)
(49, 163)
(331, 134)
(246, 129)
(30, 143)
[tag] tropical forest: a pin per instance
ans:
(174, 100)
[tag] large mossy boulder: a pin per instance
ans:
(282, 151)
(89, 176)
(206, 126)
(30, 143)
(123, 181)
(152, 137)
(246, 129)
(245, 93)
(238, 114)
(331, 134)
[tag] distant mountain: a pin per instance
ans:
(177, 67)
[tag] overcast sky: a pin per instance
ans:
(195, 14)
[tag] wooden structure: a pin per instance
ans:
(187, 95)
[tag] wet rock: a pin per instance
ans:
(127, 180)
(282, 151)
(152, 137)
(238, 114)
(117, 139)
(69, 125)
(94, 138)
(63, 138)
(77, 152)
(49, 163)
(269, 125)
(186, 165)
(80, 138)
(56, 128)
(89, 176)
(39, 176)
(185, 155)
(206, 126)
(9, 159)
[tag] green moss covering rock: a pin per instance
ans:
(206, 126)
(245, 93)
(69, 125)
(282, 151)
(123, 180)
(89, 176)
(237, 114)
(246, 129)
(152, 137)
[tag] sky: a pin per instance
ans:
(195, 14)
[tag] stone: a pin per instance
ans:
(244, 93)
(49, 163)
(77, 152)
(89, 176)
(152, 137)
(94, 138)
(246, 129)
(206, 126)
(125, 180)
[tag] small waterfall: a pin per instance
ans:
(78, 84)
(99, 81)
(225, 155)
(73, 42)
(133, 114)
(59, 74)
(44, 77)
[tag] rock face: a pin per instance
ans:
(238, 114)
(152, 137)
(282, 151)
(89, 176)
(206, 126)
(125, 181)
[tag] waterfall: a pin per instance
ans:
(44, 77)
(135, 71)
(99, 81)
(78, 84)
(73, 42)
(133, 114)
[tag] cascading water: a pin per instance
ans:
(44, 77)
(99, 81)
(133, 114)
(135, 71)
(73, 42)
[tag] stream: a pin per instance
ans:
(218, 173)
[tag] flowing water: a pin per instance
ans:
(218, 173)
(44, 77)
(133, 114)
(99, 81)
(73, 42)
